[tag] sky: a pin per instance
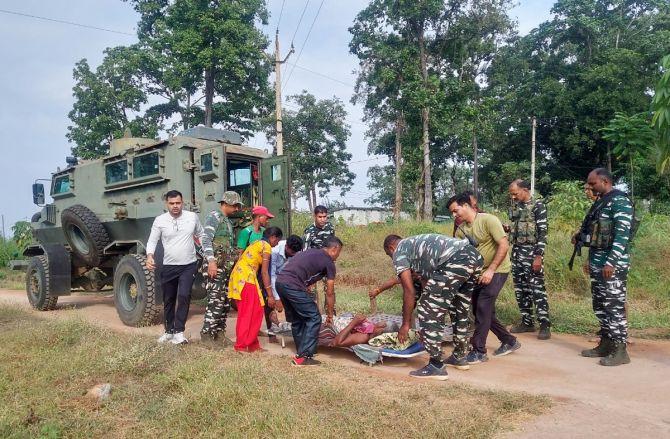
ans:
(38, 57)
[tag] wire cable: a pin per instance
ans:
(303, 44)
(300, 21)
(281, 11)
(71, 23)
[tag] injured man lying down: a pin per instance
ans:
(349, 331)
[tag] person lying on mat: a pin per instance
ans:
(359, 331)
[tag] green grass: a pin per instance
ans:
(363, 265)
(48, 365)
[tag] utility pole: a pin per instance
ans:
(278, 119)
(532, 158)
(3, 227)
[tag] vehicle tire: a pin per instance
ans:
(36, 217)
(85, 234)
(37, 284)
(135, 292)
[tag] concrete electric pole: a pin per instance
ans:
(278, 119)
(532, 158)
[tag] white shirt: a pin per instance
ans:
(277, 261)
(176, 234)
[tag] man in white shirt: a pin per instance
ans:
(281, 253)
(175, 229)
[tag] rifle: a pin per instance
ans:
(581, 240)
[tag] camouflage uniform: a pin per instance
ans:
(610, 233)
(315, 236)
(451, 267)
(528, 236)
(217, 243)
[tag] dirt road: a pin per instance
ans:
(590, 400)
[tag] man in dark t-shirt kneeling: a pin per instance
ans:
(303, 270)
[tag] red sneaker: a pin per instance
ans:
(297, 361)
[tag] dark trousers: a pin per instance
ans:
(305, 319)
(484, 307)
(176, 283)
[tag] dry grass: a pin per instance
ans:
(165, 391)
(12, 280)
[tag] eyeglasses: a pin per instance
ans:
(175, 225)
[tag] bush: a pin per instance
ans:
(567, 204)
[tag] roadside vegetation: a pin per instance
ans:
(48, 366)
(363, 265)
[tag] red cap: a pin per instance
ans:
(261, 210)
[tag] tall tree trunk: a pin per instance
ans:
(609, 159)
(476, 164)
(209, 95)
(427, 174)
(398, 163)
(313, 197)
(420, 199)
(308, 193)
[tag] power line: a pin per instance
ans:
(281, 11)
(304, 42)
(321, 74)
(71, 23)
(300, 21)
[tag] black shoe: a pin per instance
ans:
(545, 332)
(430, 372)
(458, 363)
(617, 356)
(304, 361)
(506, 349)
(602, 350)
(522, 327)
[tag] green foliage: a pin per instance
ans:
(593, 58)
(22, 234)
(195, 63)
(661, 118)
(315, 136)
(568, 204)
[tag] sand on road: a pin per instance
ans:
(590, 400)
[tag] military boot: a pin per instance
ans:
(602, 350)
(522, 327)
(545, 331)
(617, 356)
(211, 341)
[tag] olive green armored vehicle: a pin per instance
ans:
(94, 232)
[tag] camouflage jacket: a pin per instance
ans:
(314, 236)
(424, 253)
(610, 233)
(217, 241)
(538, 215)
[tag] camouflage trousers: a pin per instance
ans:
(529, 286)
(609, 301)
(218, 303)
(449, 290)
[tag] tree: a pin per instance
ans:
(633, 138)
(215, 44)
(196, 62)
(22, 235)
(574, 72)
(315, 136)
(661, 118)
(107, 101)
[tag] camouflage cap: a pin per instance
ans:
(231, 198)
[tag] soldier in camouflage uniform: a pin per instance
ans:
(610, 223)
(315, 235)
(450, 268)
(528, 236)
(220, 256)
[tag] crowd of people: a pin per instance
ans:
(459, 276)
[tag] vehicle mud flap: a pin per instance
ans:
(60, 269)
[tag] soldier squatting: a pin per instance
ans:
(442, 275)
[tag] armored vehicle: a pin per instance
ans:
(94, 232)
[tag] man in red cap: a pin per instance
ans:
(247, 236)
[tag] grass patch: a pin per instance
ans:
(12, 279)
(363, 265)
(183, 392)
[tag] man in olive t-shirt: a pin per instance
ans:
(486, 232)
